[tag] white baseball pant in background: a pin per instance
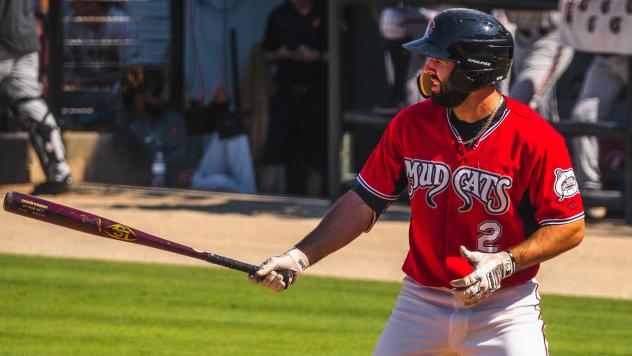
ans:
(20, 83)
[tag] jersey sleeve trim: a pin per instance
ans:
(374, 191)
(377, 204)
(561, 221)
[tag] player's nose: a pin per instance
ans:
(430, 66)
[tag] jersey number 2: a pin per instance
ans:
(490, 232)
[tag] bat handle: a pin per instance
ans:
(244, 267)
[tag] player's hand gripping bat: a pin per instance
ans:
(40, 209)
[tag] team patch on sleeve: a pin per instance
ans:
(565, 183)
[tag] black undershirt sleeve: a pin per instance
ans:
(378, 204)
(526, 211)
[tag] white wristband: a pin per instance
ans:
(509, 264)
(299, 257)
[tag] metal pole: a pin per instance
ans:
(627, 187)
(176, 85)
(335, 112)
(55, 50)
(234, 65)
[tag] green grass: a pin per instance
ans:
(588, 326)
(62, 307)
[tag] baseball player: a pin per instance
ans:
(18, 79)
(492, 195)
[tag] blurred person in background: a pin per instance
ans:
(153, 126)
(539, 59)
(226, 164)
(605, 80)
(19, 73)
(398, 25)
(295, 43)
(602, 28)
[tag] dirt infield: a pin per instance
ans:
(251, 228)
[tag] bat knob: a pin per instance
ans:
(287, 275)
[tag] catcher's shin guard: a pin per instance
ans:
(45, 137)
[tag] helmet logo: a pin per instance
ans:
(430, 28)
(476, 61)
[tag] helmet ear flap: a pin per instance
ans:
(461, 81)
(424, 84)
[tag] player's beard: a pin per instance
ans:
(448, 96)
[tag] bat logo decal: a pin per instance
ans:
(120, 232)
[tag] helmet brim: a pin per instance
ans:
(427, 48)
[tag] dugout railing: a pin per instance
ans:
(151, 31)
(343, 120)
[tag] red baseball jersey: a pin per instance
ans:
(488, 196)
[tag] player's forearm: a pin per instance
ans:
(548, 242)
(344, 222)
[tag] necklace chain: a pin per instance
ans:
(487, 123)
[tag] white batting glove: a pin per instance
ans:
(489, 270)
(294, 261)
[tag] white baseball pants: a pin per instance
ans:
(430, 321)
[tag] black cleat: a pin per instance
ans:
(52, 188)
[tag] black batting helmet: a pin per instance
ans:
(481, 47)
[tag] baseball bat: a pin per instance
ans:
(75, 219)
